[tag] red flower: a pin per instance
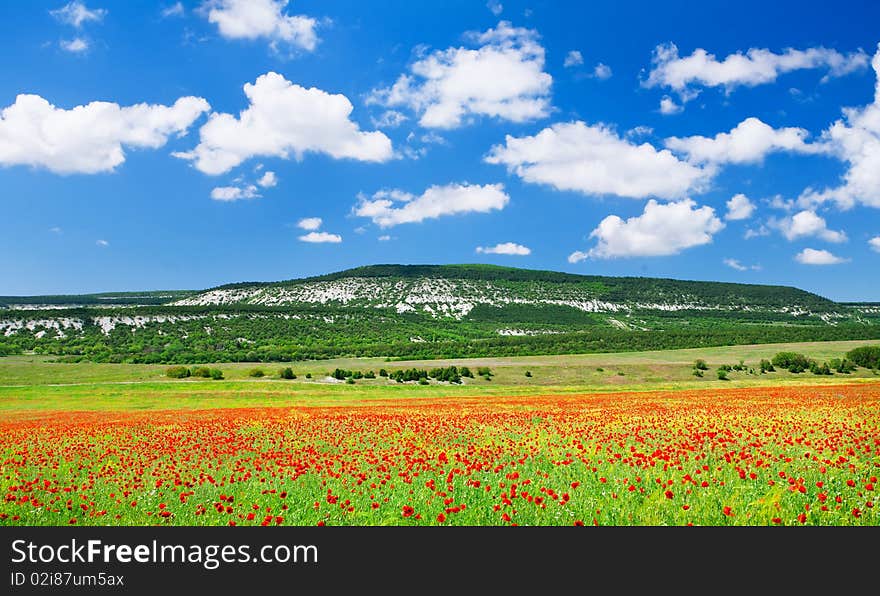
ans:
(441, 518)
(727, 511)
(802, 517)
(408, 511)
(669, 494)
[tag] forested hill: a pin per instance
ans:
(480, 284)
(423, 311)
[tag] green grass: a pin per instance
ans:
(37, 384)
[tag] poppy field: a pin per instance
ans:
(805, 455)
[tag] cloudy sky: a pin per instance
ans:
(156, 145)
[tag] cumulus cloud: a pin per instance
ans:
(77, 45)
(321, 238)
(228, 194)
(384, 238)
(503, 78)
(661, 230)
(309, 223)
(255, 19)
(685, 75)
(855, 139)
(102, 243)
(594, 160)
(578, 256)
(668, 106)
(88, 138)
(390, 119)
(389, 208)
(811, 256)
(739, 207)
(735, 264)
(283, 119)
(749, 142)
(573, 58)
(602, 71)
(505, 248)
(268, 180)
(806, 224)
(76, 13)
(874, 243)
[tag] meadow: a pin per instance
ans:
(102, 444)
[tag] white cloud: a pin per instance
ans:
(495, 6)
(254, 19)
(284, 118)
(755, 67)
(749, 142)
(436, 201)
(502, 78)
(55, 230)
(661, 230)
(810, 256)
(874, 243)
(384, 238)
(578, 256)
(175, 10)
(739, 207)
(639, 131)
(758, 232)
(76, 45)
(76, 13)
(573, 58)
(102, 243)
(88, 138)
(321, 238)
(807, 224)
(668, 106)
(309, 223)
(505, 248)
(235, 193)
(855, 139)
(268, 180)
(594, 160)
(735, 264)
(389, 119)
(602, 71)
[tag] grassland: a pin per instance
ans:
(29, 383)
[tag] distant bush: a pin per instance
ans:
(202, 371)
(792, 361)
(529, 374)
(423, 381)
(449, 374)
(843, 366)
(286, 373)
(698, 372)
(177, 372)
(466, 372)
(866, 356)
(405, 376)
(349, 381)
(722, 374)
(766, 366)
(216, 374)
(308, 375)
(600, 369)
(383, 372)
(369, 375)
(818, 369)
(700, 364)
(256, 372)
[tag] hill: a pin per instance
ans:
(424, 311)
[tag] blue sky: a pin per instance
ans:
(545, 135)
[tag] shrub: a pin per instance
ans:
(369, 375)
(308, 375)
(766, 366)
(866, 356)
(466, 372)
(349, 381)
(256, 372)
(600, 369)
(484, 371)
(794, 362)
(698, 372)
(529, 374)
(722, 375)
(700, 364)
(202, 371)
(286, 373)
(423, 381)
(177, 372)
(216, 374)
(844, 366)
(383, 372)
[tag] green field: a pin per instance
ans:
(38, 383)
